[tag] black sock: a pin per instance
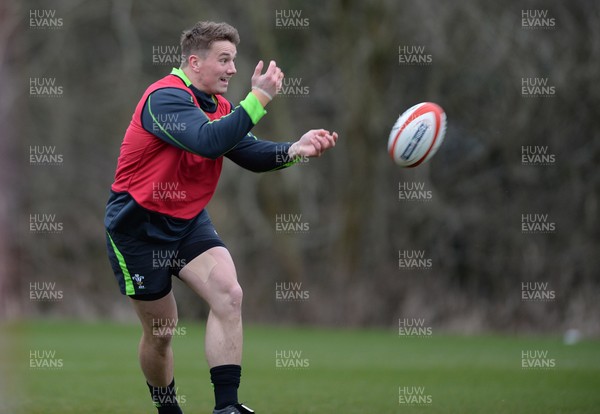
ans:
(226, 380)
(165, 399)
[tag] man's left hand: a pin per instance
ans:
(312, 144)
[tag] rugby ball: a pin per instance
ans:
(417, 134)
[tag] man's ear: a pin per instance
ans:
(195, 62)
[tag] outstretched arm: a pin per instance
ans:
(261, 156)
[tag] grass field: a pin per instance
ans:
(340, 371)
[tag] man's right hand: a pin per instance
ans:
(265, 86)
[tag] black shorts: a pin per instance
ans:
(144, 268)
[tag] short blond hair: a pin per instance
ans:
(202, 35)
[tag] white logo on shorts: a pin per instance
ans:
(139, 280)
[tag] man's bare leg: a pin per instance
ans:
(213, 277)
(158, 318)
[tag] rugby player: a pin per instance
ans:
(167, 171)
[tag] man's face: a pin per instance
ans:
(216, 68)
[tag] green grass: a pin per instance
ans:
(348, 372)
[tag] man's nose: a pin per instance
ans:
(232, 70)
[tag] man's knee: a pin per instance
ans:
(236, 294)
(159, 336)
(228, 304)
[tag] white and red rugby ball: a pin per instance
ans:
(417, 134)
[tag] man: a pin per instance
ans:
(167, 171)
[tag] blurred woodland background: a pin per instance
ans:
(346, 58)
